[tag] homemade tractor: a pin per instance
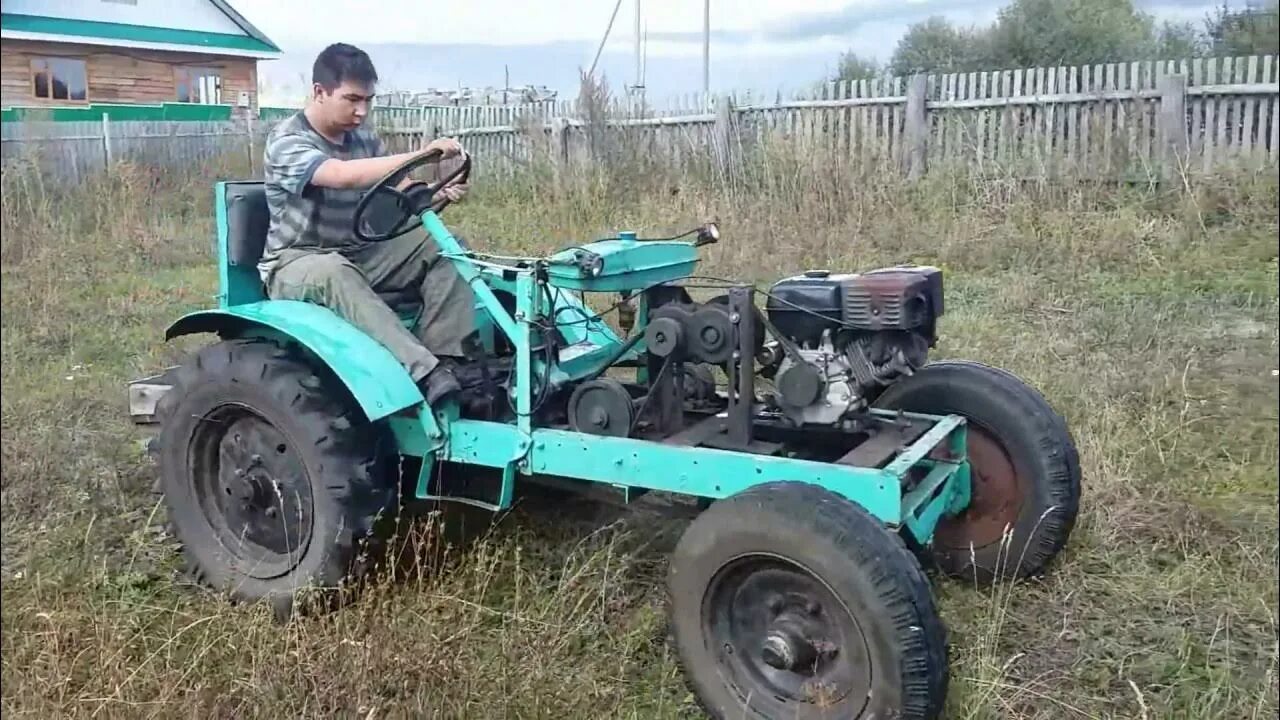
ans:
(833, 461)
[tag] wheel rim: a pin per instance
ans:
(995, 496)
(252, 489)
(783, 640)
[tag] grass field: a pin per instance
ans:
(1147, 316)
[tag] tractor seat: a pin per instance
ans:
(249, 219)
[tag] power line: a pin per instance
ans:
(605, 39)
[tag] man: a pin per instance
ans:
(318, 163)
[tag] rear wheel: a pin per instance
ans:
(271, 478)
(1025, 470)
(790, 601)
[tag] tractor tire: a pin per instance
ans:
(273, 480)
(787, 600)
(1025, 470)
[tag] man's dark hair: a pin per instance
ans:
(339, 62)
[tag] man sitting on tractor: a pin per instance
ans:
(317, 165)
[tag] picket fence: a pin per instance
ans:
(1109, 120)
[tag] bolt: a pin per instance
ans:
(728, 649)
(271, 512)
(812, 607)
(256, 459)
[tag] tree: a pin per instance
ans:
(1070, 32)
(935, 45)
(853, 67)
(1180, 40)
(1254, 30)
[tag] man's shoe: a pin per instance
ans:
(439, 384)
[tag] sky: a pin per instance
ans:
(761, 45)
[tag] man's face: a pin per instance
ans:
(347, 106)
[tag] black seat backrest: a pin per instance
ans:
(247, 222)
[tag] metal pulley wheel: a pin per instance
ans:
(664, 336)
(711, 335)
(601, 407)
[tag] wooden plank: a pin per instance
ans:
(843, 137)
(1237, 118)
(1110, 110)
(970, 119)
(1022, 83)
(1275, 128)
(1250, 108)
(1172, 124)
(830, 117)
(1223, 109)
(1050, 112)
(1036, 131)
(1196, 107)
(943, 140)
(1072, 118)
(1209, 104)
(1270, 75)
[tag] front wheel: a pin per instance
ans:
(271, 478)
(788, 600)
(1025, 471)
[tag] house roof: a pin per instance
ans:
(253, 43)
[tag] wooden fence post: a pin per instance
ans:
(917, 127)
(1173, 123)
(106, 138)
(560, 143)
(724, 134)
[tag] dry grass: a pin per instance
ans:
(1148, 316)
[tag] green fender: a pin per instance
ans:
(377, 381)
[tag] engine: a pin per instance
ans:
(845, 337)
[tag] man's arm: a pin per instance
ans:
(335, 173)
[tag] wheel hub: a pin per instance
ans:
(253, 490)
(784, 639)
(995, 496)
(786, 647)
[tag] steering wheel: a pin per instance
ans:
(411, 201)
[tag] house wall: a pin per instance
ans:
(121, 75)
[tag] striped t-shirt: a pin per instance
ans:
(303, 215)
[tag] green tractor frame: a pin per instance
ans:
(835, 464)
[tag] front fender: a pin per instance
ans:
(378, 382)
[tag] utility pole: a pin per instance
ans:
(639, 81)
(706, 48)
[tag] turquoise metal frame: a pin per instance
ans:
(897, 493)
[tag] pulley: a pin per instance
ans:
(601, 407)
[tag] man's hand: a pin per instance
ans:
(448, 147)
(454, 192)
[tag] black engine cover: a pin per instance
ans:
(897, 298)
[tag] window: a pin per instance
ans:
(59, 79)
(199, 85)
